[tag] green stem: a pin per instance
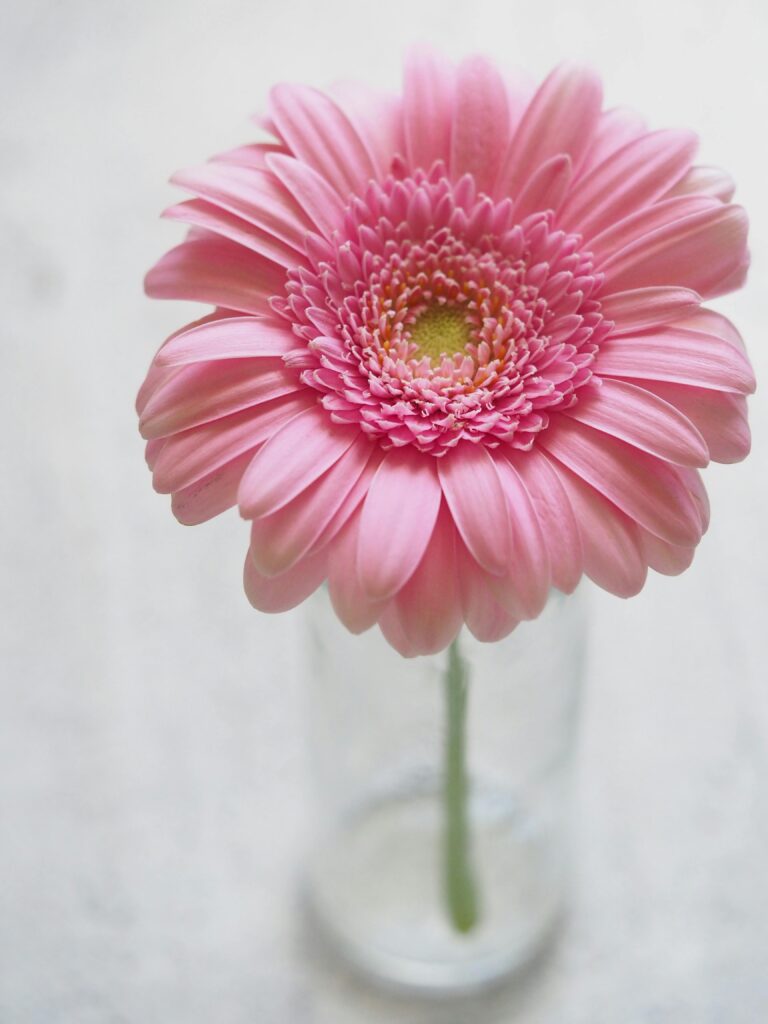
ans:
(458, 880)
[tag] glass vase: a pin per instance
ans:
(388, 753)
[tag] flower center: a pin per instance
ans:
(434, 318)
(441, 330)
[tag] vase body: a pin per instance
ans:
(377, 741)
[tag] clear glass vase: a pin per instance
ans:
(380, 754)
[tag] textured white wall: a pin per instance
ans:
(150, 757)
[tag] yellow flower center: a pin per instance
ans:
(441, 330)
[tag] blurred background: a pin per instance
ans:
(151, 801)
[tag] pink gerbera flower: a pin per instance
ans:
(458, 354)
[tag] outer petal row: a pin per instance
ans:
(581, 506)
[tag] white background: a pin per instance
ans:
(150, 746)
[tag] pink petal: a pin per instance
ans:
(613, 555)
(691, 480)
(158, 375)
(316, 197)
(393, 630)
(640, 172)
(521, 88)
(429, 604)
(283, 592)
(706, 251)
(293, 458)
(202, 214)
(645, 488)
(561, 118)
(191, 455)
(253, 195)
(721, 418)
(641, 224)
(350, 602)
(665, 558)
(218, 272)
(470, 483)
(202, 392)
(237, 337)
(251, 155)
(428, 97)
(709, 321)
(705, 181)
(212, 494)
(480, 132)
(647, 307)
(525, 589)
(265, 123)
(351, 502)
(152, 450)
(555, 514)
(642, 420)
(321, 135)
(279, 540)
(485, 617)
(678, 355)
(378, 120)
(614, 129)
(546, 187)
(397, 520)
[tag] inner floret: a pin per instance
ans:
(434, 316)
(441, 330)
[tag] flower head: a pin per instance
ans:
(458, 353)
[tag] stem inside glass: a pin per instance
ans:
(458, 875)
